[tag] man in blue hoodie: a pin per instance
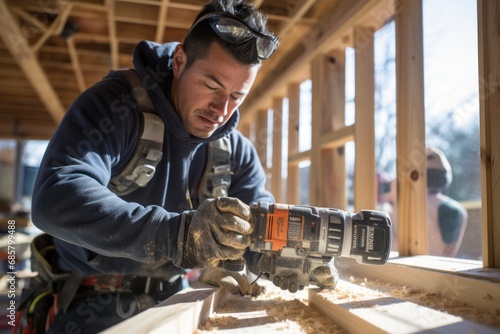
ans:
(144, 240)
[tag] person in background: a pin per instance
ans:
(446, 218)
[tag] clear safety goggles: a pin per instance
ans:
(234, 31)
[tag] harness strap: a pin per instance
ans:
(217, 177)
(149, 150)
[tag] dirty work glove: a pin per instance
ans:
(286, 273)
(218, 230)
(232, 281)
(325, 277)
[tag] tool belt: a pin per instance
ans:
(53, 290)
(122, 283)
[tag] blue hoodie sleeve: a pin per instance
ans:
(71, 200)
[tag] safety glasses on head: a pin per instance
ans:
(235, 31)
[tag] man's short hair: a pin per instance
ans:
(202, 35)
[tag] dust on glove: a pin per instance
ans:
(218, 230)
(325, 277)
(232, 281)
(287, 273)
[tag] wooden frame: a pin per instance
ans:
(410, 127)
(489, 92)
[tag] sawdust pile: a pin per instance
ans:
(274, 311)
(431, 300)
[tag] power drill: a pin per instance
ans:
(301, 238)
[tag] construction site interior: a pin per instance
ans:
(341, 117)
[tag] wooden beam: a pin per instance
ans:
(489, 102)
(32, 19)
(162, 15)
(261, 136)
(293, 175)
(299, 157)
(55, 27)
(338, 138)
(321, 39)
(113, 41)
(184, 312)
(328, 100)
(300, 8)
(410, 137)
(365, 180)
(276, 167)
(460, 280)
(27, 61)
(333, 166)
(75, 61)
(362, 310)
(317, 95)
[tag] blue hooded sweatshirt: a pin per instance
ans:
(94, 230)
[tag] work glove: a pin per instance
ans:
(284, 276)
(232, 281)
(218, 230)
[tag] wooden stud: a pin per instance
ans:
(489, 103)
(328, 96)
(277, 156)
(410, 137)
(293, 177)
(376, 312)
(113, 41)
(75, 61)
(261, 136)
(333, 193)
(365, 181)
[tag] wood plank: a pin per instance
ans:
(293, 176)
(317, 95)
(333, 163)
(160, 26)
(261, 136)
(410, 137)
(75, 61)
(328, 101)
(299, 157)
(454, 279)
(277, 156)
(338, 138)
(361, 310)
(26, 59)
(489, 102)
(365, 180)
(184, 312)
(113, 41)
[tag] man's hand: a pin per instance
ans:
(218, 230)
(231, 281)
(287, 278)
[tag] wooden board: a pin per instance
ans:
(184, 312)
(362, 310)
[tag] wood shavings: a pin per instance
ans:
(274, 311)
(431, 300)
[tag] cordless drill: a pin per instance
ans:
(299, 239)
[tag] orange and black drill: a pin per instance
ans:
(299, 239)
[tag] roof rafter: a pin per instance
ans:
(28, 62)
